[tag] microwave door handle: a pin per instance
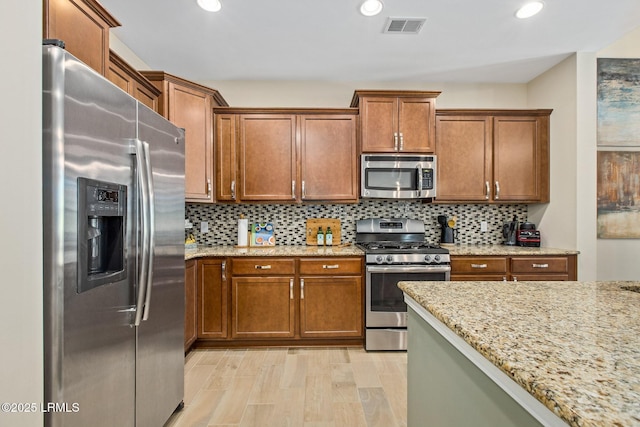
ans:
(419, 171)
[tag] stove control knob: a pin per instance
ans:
(379, 259)
(436, 258)
(427, 258)
(389, 259)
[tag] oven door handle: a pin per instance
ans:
(410, 269)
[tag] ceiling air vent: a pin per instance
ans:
(404, 25)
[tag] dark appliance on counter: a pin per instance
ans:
(510, 232)
(398, 176)
(447, 234)
(395, 251)
(113, 236)
(528, 235)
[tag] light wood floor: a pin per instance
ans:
(294, 387)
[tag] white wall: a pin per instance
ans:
(618, 258)
(21, 354)
(568, 221)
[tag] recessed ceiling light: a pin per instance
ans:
(210, 5)
(371, 7)
(529, 9)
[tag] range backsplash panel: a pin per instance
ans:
(289, 220)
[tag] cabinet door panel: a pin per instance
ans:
(191, 110)
(190, 308)
(265, 141)
(464, 150)
(331, 266)
(263, 307)
(226, 157)
(415, 125)
(320, 316)
(212, 294)
(540, 265)
(329, 158)
(478, 265)
(379, 121)
(516, 159)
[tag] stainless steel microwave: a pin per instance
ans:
(401, 176)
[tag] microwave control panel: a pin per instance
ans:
(427, 179)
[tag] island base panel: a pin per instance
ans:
(446, 389)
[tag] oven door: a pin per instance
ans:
(385, 306)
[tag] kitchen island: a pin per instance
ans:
(524, 353)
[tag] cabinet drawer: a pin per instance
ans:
(539, 265)
(262, 266)
(331, 266)
(478, 265)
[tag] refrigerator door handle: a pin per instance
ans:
(151, 223)
(137, 150)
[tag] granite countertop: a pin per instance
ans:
(352, 250)
(503, 250)
(575, 346)
(282, 250)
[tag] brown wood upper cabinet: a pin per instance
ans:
(286, 155)
(84, 26)
(496, 156)
(188, 105)
(396, 121)
(131, 81)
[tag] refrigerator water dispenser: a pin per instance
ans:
(101, 227)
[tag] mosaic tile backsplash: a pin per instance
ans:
(289, 220)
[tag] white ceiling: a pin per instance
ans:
(462, 40)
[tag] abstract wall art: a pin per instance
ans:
(618, 194)
(618, 102)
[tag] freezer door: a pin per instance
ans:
(89, 341)
(160, 338)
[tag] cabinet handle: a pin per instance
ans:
(540, 265)
(233, 190)
(497, 190)
(487, 189)
(224, 270)
(208, 187)
(263, 267)
(304, 190)
(293, 189)
(333, 266)
(290, 288)
(478, 265)
(301, 288)
(401, 142)
(395, 141)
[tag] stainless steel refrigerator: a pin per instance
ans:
(113, 185)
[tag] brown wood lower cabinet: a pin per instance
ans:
(514, 268)
(212, 298)
(280, 301)
(262, 307)
(190, 299)
(331, 297)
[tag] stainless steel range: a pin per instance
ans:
(395, 251)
